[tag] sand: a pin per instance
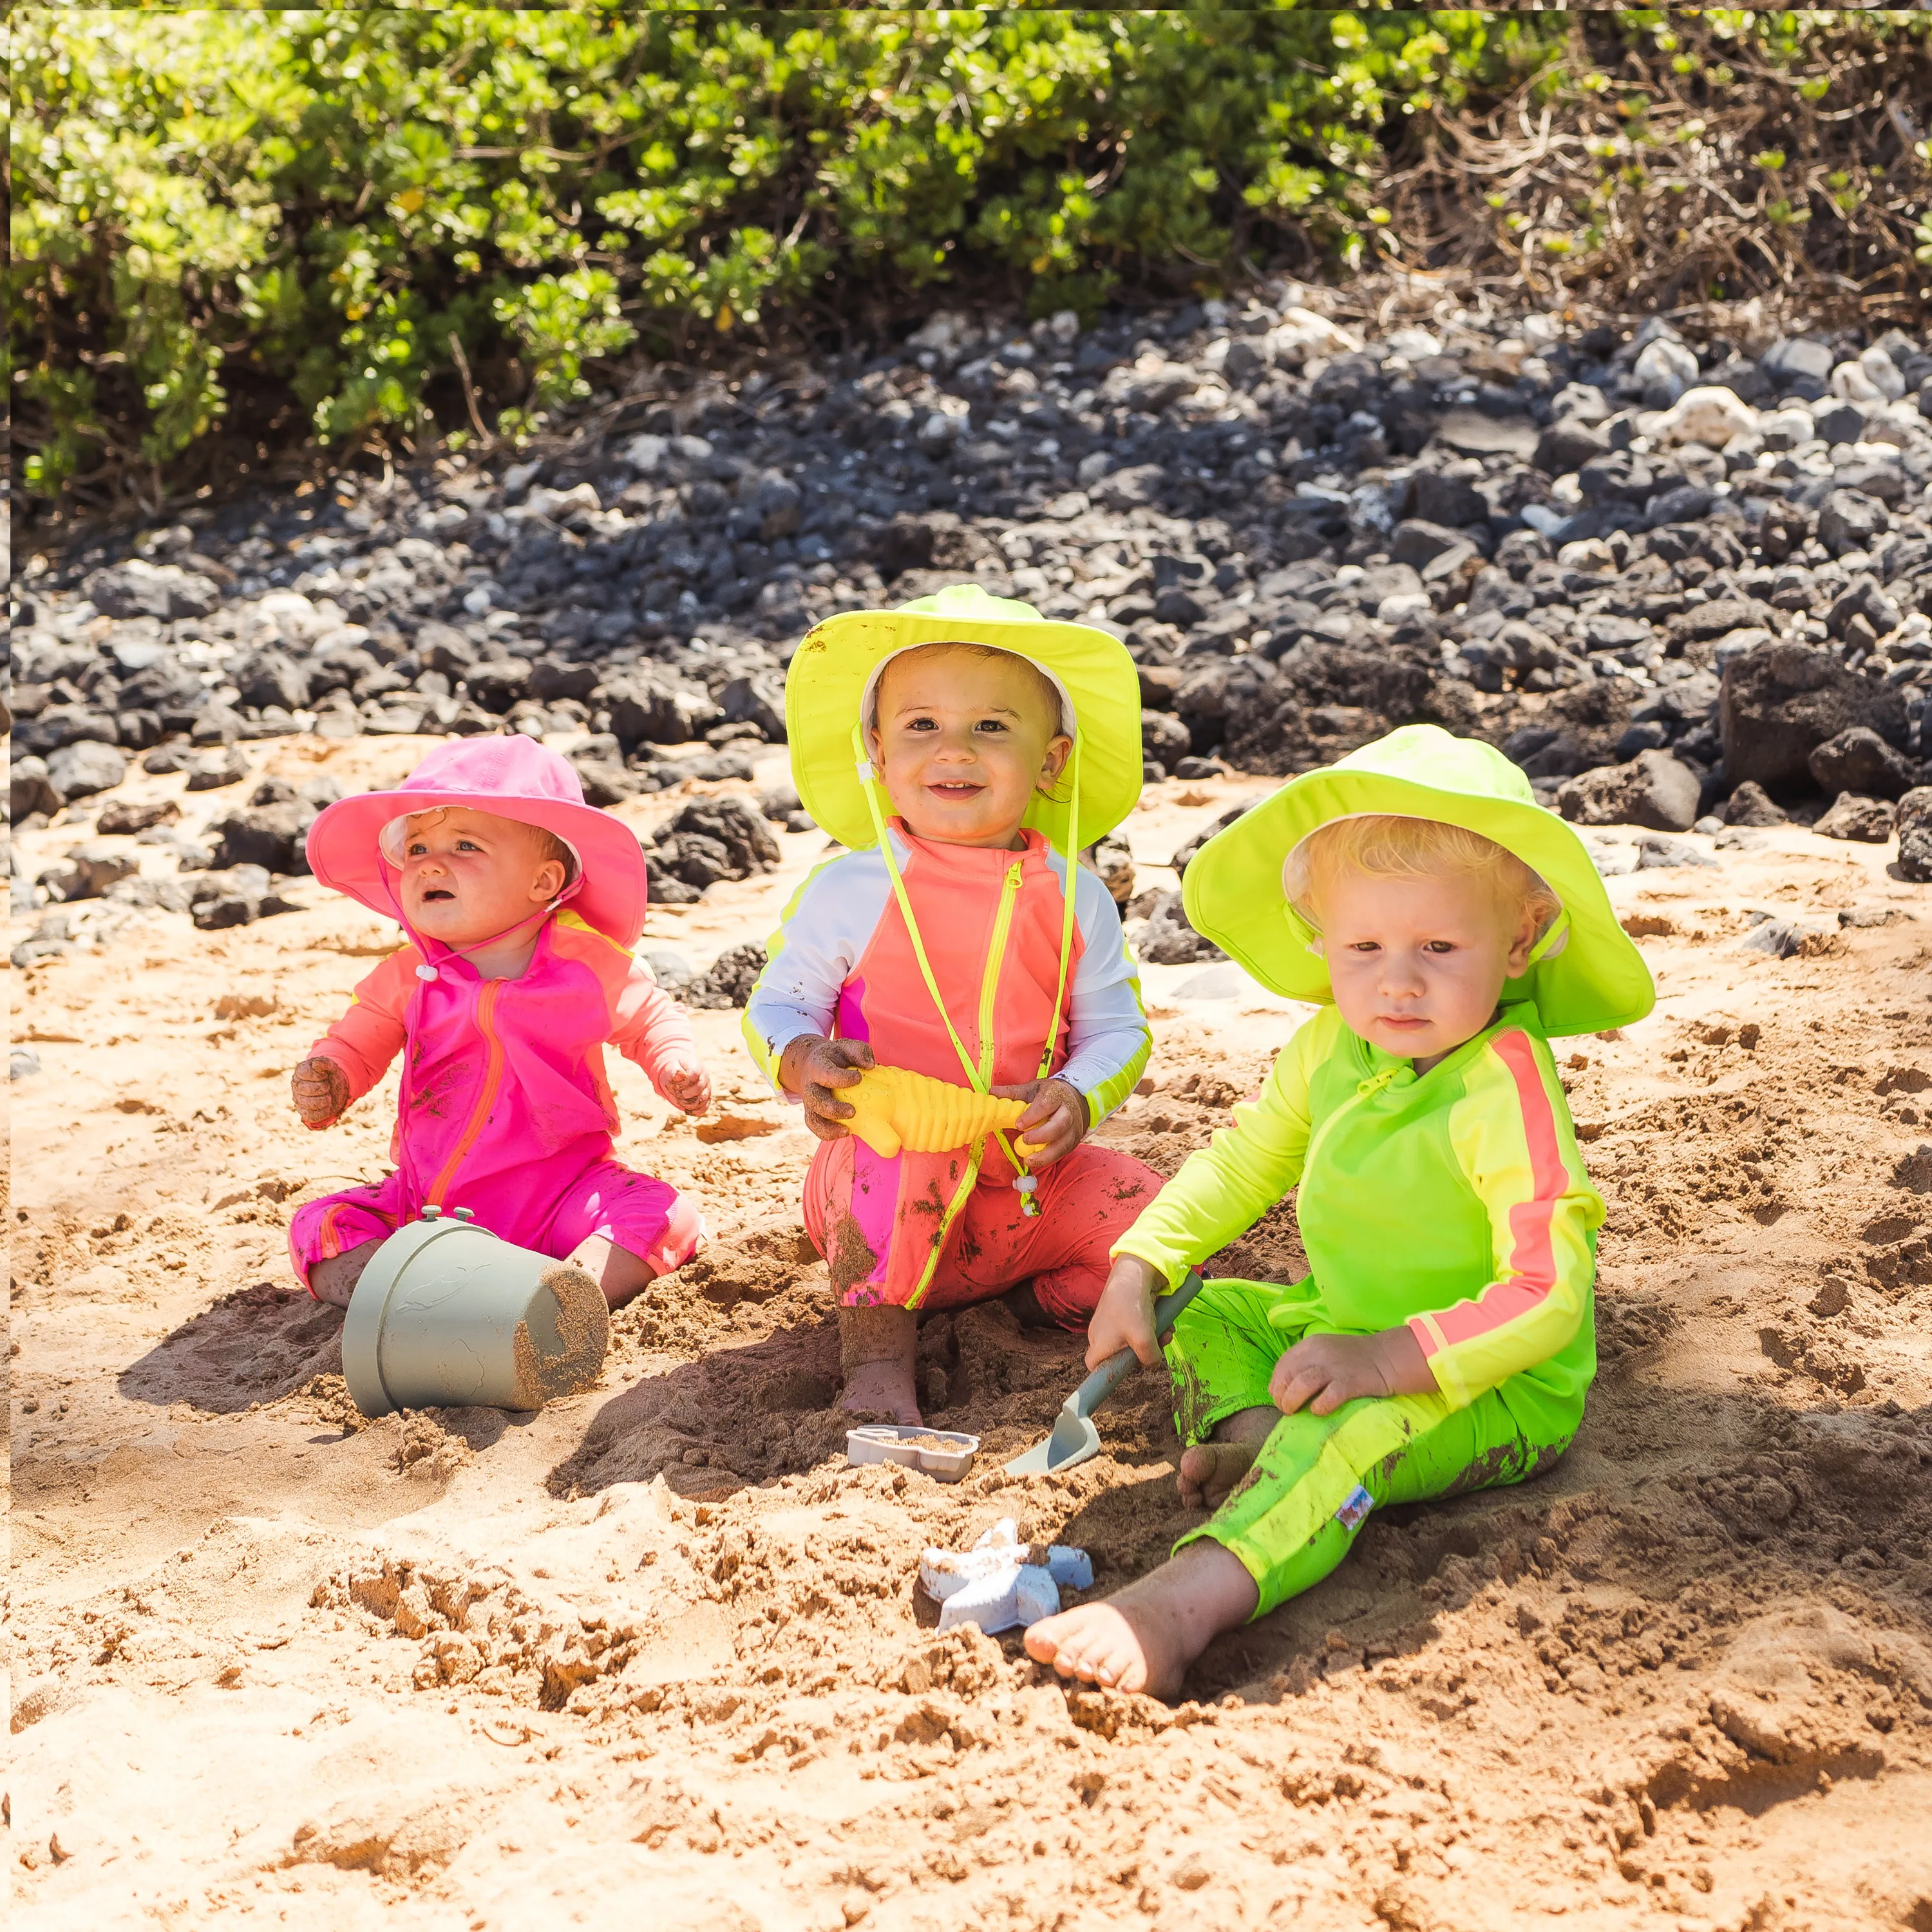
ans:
(655, 1651)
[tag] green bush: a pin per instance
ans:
(311, 224)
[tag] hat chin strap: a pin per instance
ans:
(425, 970)
(868, 783)
(1555, 938)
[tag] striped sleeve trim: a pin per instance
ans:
(1540, 1209)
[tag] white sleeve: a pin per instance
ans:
(1108, 1040)
(822, 935)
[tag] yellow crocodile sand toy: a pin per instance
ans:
(894, 1109)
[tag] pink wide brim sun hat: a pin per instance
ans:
(513, 777)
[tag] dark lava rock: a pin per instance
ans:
(1168, 939)
(237, 896)
(730, 980)
(1780, 703)
(1654, 790)
(711, 839)
(1869, 820)
(1914, 835)
(268, 835)
(1859, 760)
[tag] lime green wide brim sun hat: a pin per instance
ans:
(1589, 977)
(838, 660)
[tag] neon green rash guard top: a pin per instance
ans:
(1455, 1202)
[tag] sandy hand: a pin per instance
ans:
(686, 1085)
(1124, 1316)
(1323, 1371)
(817, 1070)
(1054, 1123)
(320, 1090)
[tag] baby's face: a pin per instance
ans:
(962, 743)
(468, 875)
(1417, 965)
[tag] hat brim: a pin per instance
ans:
(1233, 893)
(614, 894)
(825, 688)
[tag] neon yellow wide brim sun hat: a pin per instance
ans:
(839, 660)
(1588, 978)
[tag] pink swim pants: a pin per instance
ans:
(636, 1212)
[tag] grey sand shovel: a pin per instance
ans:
(1074, 1438)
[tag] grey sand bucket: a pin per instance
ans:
(446, 1316)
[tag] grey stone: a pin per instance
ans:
(1567, 445)
(214, 769)
(88, 872)
(1653, 790)
(1850, 519)
(1798, 366)
(79, 770)
(272, 677)
(1656, 852)
(650, 709)
(1784, 939)
(139, 590)
(22, 1062)
(1858, 760)
(31, 790)
(1750, 804)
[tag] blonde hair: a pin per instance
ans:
(1389, 845)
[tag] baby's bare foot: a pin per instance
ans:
(886, 1386)
(1118, 1644)
(1145, 1637)
(1210, 1470)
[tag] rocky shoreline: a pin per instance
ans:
(1681, 583)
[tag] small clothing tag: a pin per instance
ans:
(1355, 1508)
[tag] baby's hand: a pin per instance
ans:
(1325, 1371)
(1124, 1316)
(685, 1084)
(320, 1089)
(816, 1069)
(1053, 1126)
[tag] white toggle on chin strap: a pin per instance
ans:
(425, 970)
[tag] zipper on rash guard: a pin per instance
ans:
(989, 984)
(493, 1074)
(1365, 1090)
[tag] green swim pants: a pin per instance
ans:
(1293, 1516)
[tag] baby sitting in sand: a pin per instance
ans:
(521, 903)
(1443, 1338)
(952, 745)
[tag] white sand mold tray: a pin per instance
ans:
(944, 1454)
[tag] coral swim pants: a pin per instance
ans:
(636, 1212)
(1293, 1516)
(863, 1215)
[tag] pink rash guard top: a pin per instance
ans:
(504, 1099)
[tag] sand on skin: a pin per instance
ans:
(658, 1646)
